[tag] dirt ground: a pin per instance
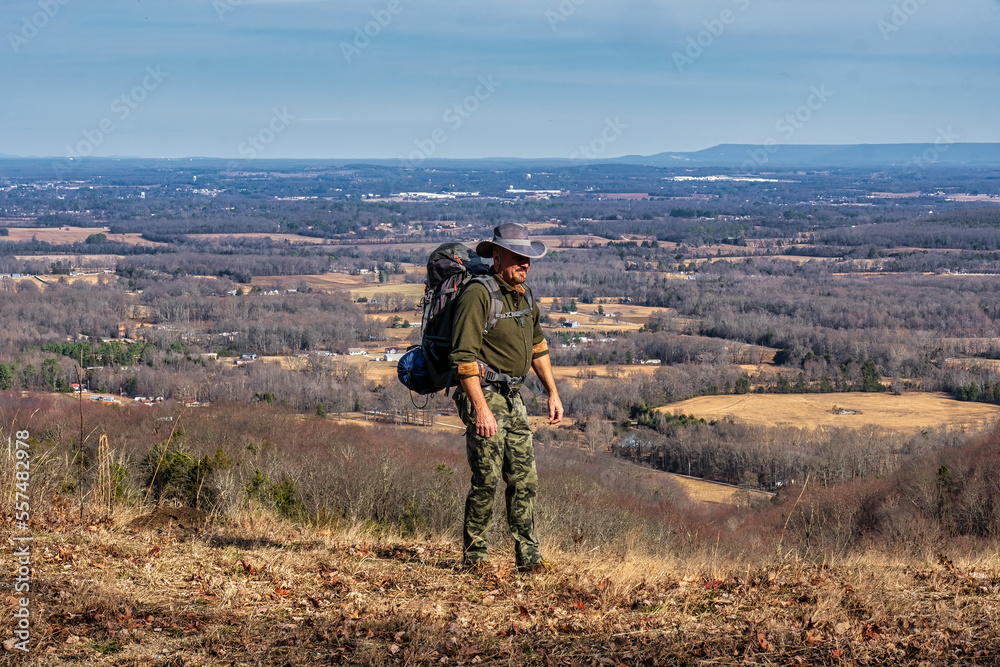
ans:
(908, 412)
(252, 590)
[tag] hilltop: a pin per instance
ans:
(320, 542)
(257, 590)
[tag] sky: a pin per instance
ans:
(413, 79)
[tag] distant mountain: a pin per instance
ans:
(756, 156)
(742, 157)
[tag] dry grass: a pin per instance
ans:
(256, 590)
(554, 242)
(580, 374)
(908, 412)
(972, 363)
(701, 491)
(61, 235)
(629, 313)
(291, 238)
(641, 577)
(414, 291)
(325, 282)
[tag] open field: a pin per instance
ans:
(382, 371)
(569, 240)
(355, 286)
(798, 259)
(627, 313)
(290, 238)
(698, 490)
(554, 242)
(75, 259)
(73, 235)
(324, 282)
(374, 291)
(701, 491)
(973, 362)
(908, 412)
(579, 374)
(44, 281)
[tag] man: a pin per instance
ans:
(490, 367)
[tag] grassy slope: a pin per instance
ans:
(264, 592)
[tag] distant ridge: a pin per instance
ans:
(742, 157)
(753, 157)
(758, 156)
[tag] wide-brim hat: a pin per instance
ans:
(512, 236)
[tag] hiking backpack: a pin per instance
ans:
(426, 368)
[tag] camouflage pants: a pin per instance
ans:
(509, 454)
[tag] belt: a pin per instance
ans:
(508, 389)
(501, 383)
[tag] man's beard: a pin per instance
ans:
(518, 277)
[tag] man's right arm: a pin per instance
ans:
(468, 325)
(486, 423)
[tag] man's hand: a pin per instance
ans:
(486, 423)
(555, 409)
(543, 369)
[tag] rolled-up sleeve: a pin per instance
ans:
(468, 325)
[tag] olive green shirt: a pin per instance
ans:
(509, 346)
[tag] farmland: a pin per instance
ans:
(61, 235)
(911, 411)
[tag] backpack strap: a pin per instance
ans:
(495, 312)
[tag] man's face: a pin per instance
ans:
(512, 268)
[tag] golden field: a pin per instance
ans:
(72, 235)
(907, 412)
(290, 238)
